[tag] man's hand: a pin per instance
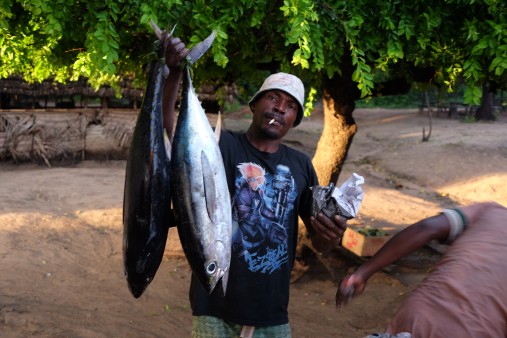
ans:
(330, 228)
(326, 232)
(351, 286)
(175, 51)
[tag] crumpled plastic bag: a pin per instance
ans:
(344, 201)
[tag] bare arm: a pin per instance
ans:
(403, 243)
(175, 51)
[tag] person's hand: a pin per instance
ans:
(330, 228)
(350, 287)
(175, 51)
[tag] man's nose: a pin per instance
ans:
(281, 106)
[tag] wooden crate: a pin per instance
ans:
(361, 245)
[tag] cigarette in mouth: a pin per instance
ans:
(272, 121)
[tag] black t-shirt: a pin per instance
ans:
(268, 191)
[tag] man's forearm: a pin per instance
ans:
(404, 243)
(170, 96)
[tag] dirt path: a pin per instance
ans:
(60, 233)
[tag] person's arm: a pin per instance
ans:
(403, 243)
(175, 51)
(325, 233)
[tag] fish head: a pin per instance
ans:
(217, 266)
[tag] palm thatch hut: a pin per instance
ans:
(49, 121)
(54, 121)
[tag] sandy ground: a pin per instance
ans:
(60, 233)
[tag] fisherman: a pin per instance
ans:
(463, 296)
(257, 293)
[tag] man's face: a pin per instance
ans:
(274, 113)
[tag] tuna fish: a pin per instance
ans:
(200, 197)
(146, 201)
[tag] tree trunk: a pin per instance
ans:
(339, 97)
(485, 110)
(339, 130)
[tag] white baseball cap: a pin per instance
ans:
(288, 83)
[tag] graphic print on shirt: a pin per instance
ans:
(261, 207)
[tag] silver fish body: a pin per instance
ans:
(201, 199)
(146, 202)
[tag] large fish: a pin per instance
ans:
(200, 194)
(146, 201)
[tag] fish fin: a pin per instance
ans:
(224, 280)
(209, 187)
(218, 127)
(167, 145)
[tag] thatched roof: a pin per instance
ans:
(17, 85)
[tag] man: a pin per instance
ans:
(464, 296)
(269, 185)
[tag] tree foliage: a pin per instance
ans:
(343, 49)
(107, 39)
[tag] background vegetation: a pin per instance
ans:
(343, 50)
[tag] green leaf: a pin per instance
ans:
(113, 44)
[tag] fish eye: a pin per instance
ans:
(211, 268)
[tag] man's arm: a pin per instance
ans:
(403, 243)
(175, 51)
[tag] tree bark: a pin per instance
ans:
(339, 130)
(339, 95)
(485, 110)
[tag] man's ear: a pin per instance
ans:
(252, 106)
